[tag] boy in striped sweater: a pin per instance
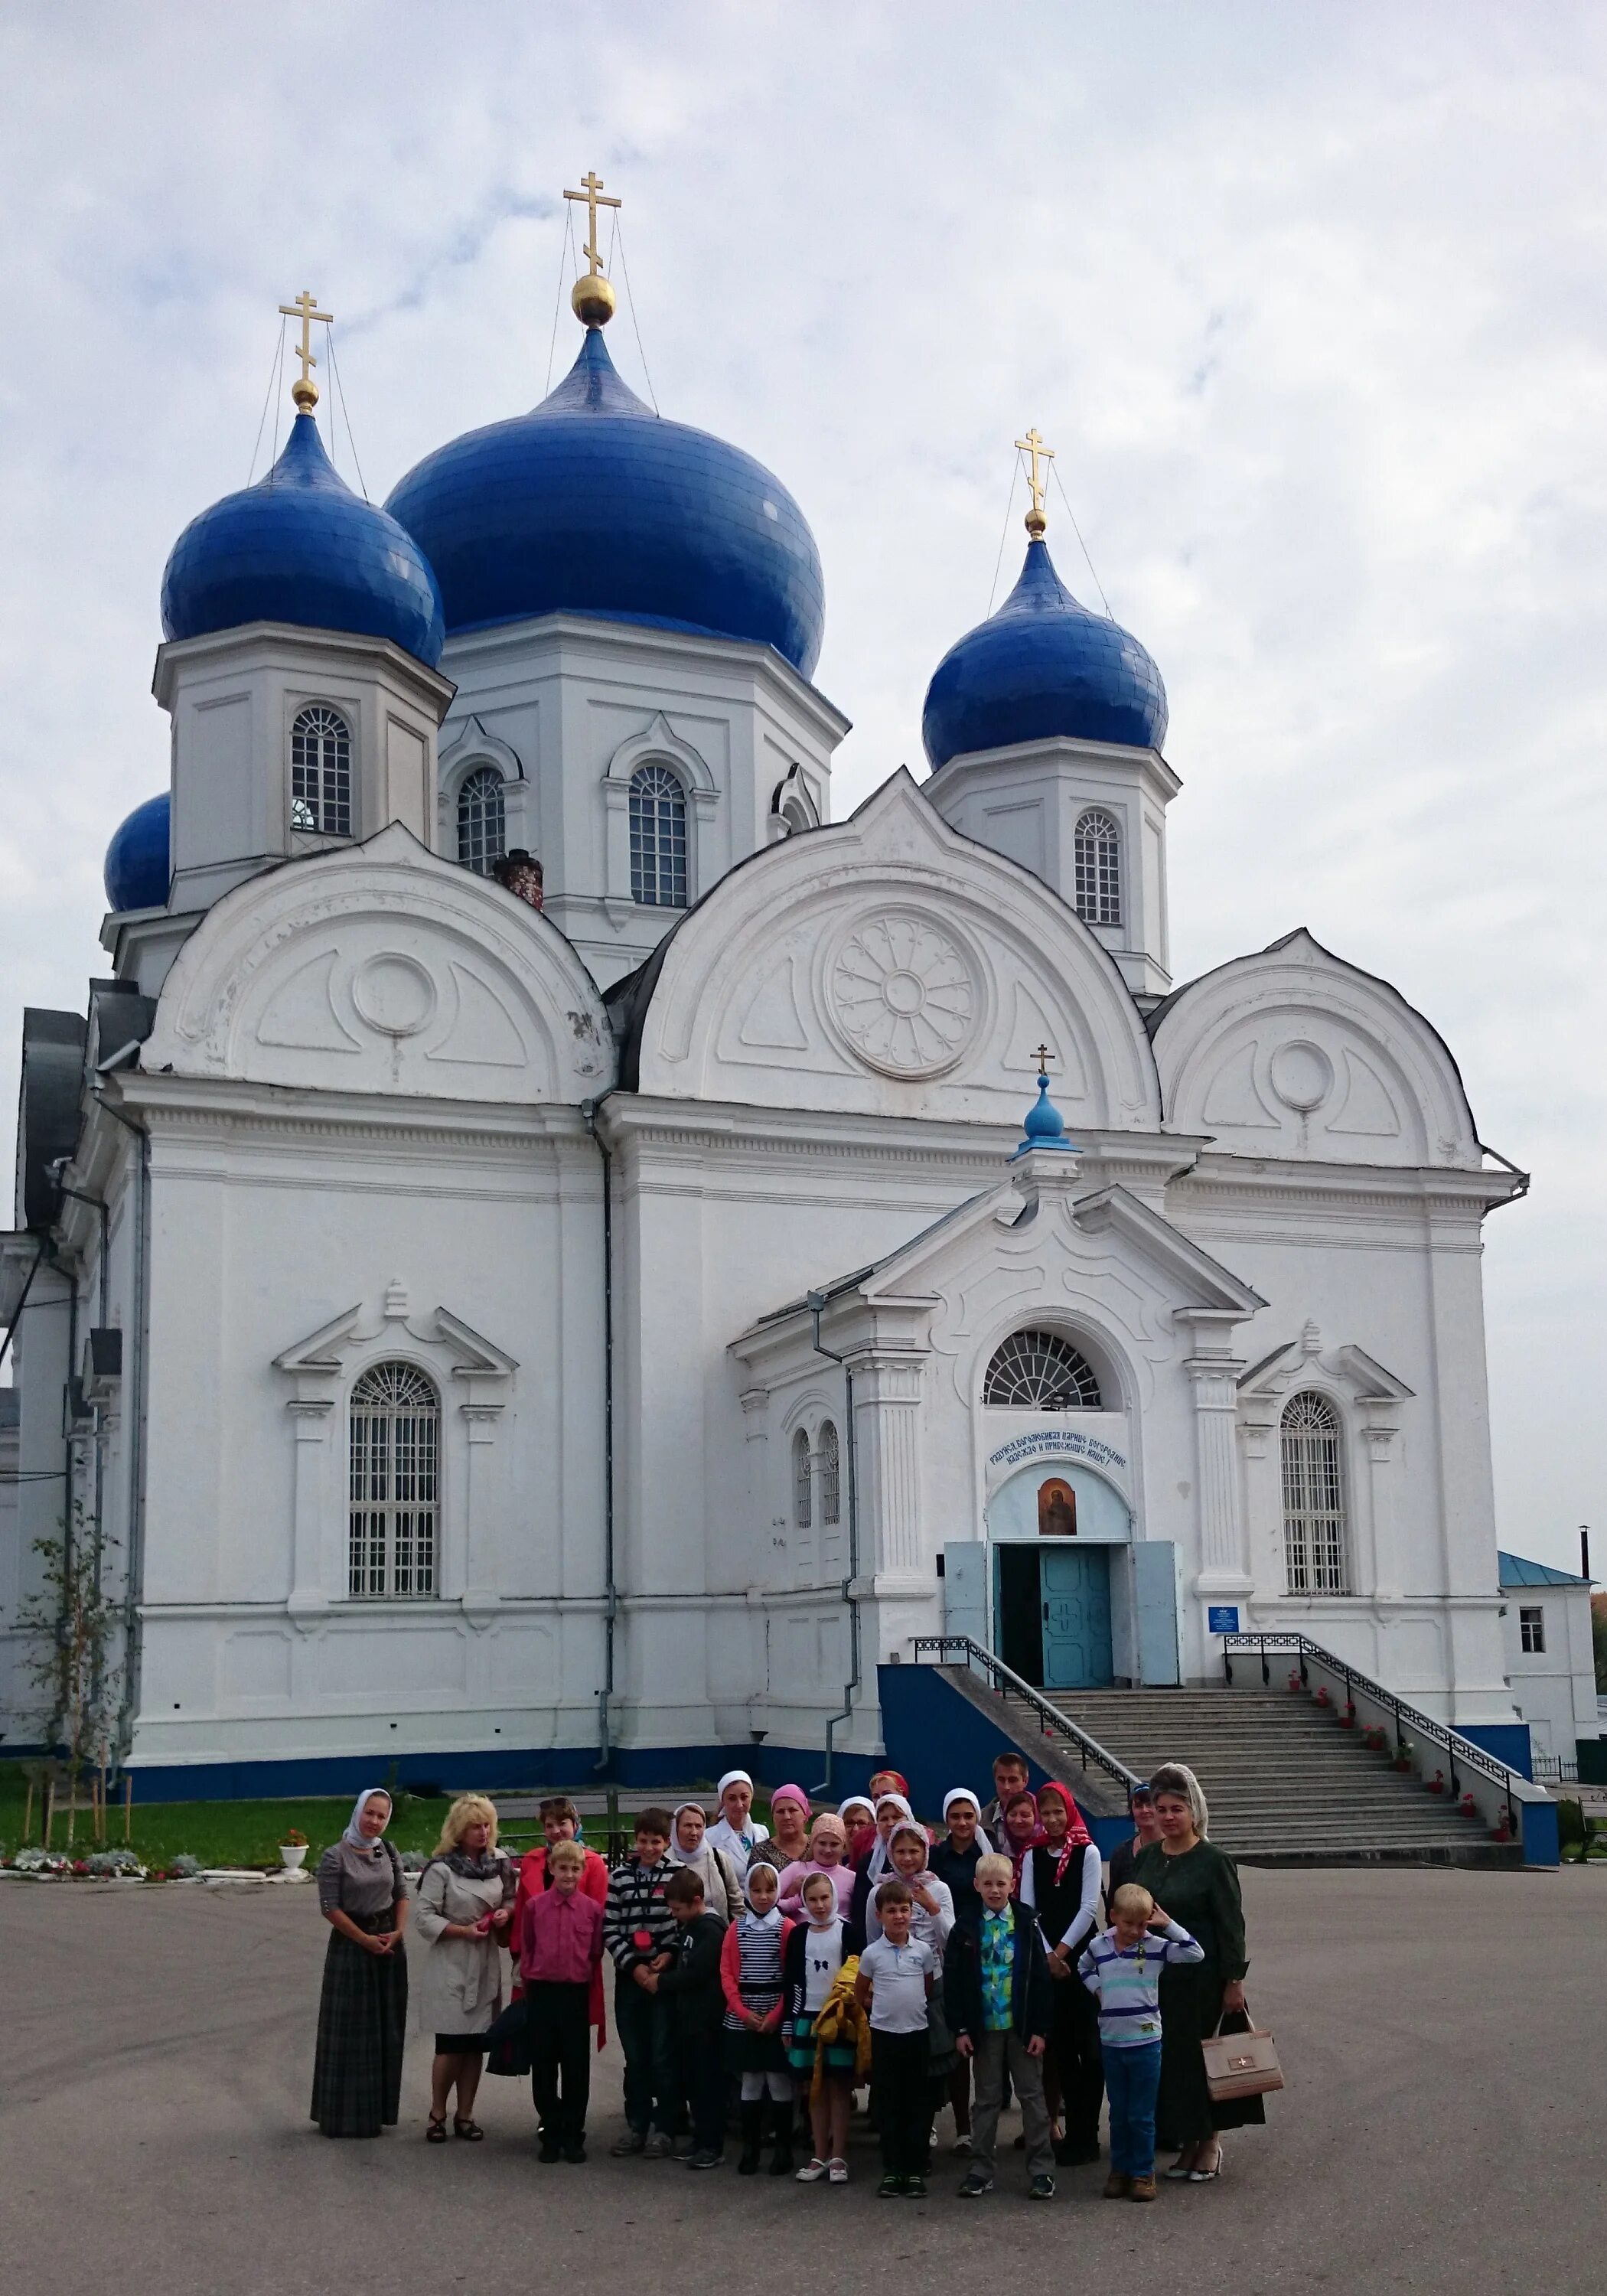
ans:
(1121, 1968)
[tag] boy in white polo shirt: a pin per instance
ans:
(896, 1974)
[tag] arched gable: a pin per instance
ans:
(887, 965)
(382, 968)
(1292, 1052)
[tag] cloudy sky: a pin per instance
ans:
(1311, 301)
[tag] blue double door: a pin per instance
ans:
(1054, 1613)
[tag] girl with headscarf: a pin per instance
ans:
(737, 1833)
(1020, 1830)
(1199, 1886)
(789, 1838)
(872, 1867)
(858, 1814)
(465, 1902)
(1060, 1881)
(363, 2009)
(690, 1846)
(751, 1974)
(891, 1809)
(827, 1854)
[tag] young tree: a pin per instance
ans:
(73, 1664)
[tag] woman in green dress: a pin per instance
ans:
(1198, 1884)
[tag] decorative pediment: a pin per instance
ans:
(474, 746)
(1356, 1379)
(659, 740)
(383, 968)
(443, 1341)
(1293, 1052)
(887, 965)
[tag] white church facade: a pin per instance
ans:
(530, 1265)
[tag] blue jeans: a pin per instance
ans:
(1132, 2079)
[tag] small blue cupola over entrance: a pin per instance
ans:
(1044, 1126)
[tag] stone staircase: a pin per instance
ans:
(1285, 1785)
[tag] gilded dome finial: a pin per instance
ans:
(304, 391)
(1034, 449)
(592, 297)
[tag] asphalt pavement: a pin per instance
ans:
(1444, 2034)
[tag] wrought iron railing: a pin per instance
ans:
(1009, 1684)
(1460, 1752)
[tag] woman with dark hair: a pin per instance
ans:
(362, 2011)
(1146, 1828)
(1199, 1886)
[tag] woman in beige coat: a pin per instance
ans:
(465, 1901)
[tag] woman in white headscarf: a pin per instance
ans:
(363, 2009)
(690, 1846)
(737, 1833)
(1199, 1886)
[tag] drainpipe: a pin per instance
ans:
(134, 1376)
(816, 1302)
(588, 1110)
(98, 1204)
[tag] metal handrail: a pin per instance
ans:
(1056, 1723)
(1458, 1749)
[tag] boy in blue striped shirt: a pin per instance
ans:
(1121, 1968)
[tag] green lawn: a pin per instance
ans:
(242, 1833)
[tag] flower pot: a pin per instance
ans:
(292, 1854)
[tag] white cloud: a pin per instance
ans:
(1311, 303)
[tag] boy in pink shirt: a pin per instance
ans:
(559, 1942)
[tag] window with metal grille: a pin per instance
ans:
(1038, 1371)
(396, 1420)
(1531, 1628)
(803, 1489)
(320, 772)
(481, 827)
(1096, 856)
(1313, 1497)
(658, 839)
(831, 1475)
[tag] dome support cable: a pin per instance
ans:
(635, 324)
(1004, 534)
(565, 259)
(335, 370)
(1077, 531)
(276, 368)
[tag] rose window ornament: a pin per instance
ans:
(904, 994)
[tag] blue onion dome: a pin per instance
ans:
(592, 504)
(1044, 1126)
(301, 547)
(1043, 668)
(136, 859)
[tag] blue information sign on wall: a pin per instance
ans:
(1221, 1619)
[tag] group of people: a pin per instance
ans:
(772, 1971)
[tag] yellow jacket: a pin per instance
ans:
(841, 2024)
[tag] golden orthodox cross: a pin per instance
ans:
(1034, 449)
(1043, 1059)
(592, 192)
(306, 308)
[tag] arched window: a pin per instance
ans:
(1038, 1371)
(1096, 850)
(482, 837)
(1314, 1496)
(395, 1421)
(831, 1475)
(658, 839)
(320, 772)
(803, 1492)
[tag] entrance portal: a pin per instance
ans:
(1054, 1611)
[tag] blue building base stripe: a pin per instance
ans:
(571, 1768)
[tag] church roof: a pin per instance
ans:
(1516, 1570)
(137, 871)
(594, 503)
